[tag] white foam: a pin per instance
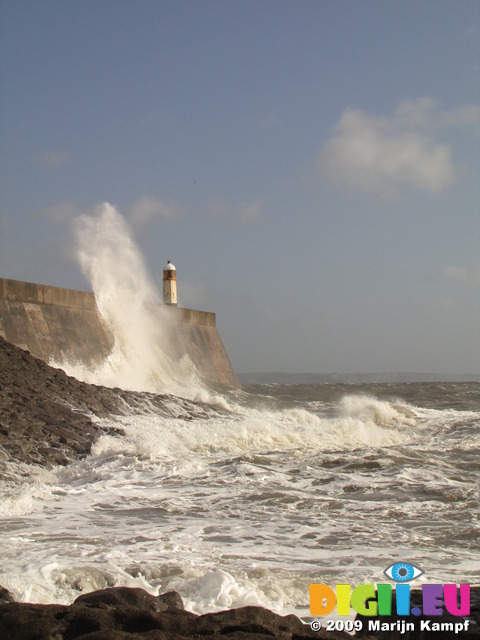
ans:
(217, 590)
(244, 507)
(21, 492)
(371, 410)
(247, 430)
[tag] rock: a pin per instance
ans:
(255, 623)
(125, 614)
(39, 420)
(131, 597)
(5, 595)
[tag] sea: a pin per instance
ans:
(274, 488)
(267, 489)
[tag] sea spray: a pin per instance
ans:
(142, 358)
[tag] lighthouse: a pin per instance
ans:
(170, 284)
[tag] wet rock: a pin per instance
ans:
(131, 597)
(5, 595)
(41, 421)
(46, 416)
(124, 614)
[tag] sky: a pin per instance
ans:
(311, 167)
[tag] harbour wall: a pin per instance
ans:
(57, 324)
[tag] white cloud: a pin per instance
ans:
(248, 214)
(412, 113)
(144, 210)
(462, 274)
(242, 216)
(51, 158)
(381, 154)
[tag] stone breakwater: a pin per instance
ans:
(66, 325)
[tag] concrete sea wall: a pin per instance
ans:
(57, 323)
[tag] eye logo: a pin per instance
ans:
(402, 572)
(371, 601)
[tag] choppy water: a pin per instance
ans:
(293, 484)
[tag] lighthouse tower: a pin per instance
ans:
(170, 284)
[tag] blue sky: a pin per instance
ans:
(310, 167)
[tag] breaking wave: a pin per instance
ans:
(141, 358)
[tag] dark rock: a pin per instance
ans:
(257, 622)
(5, 595)
(124, 614)
(130, 597)
(38, 420)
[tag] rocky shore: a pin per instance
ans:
(122, 613)
(46, 416)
